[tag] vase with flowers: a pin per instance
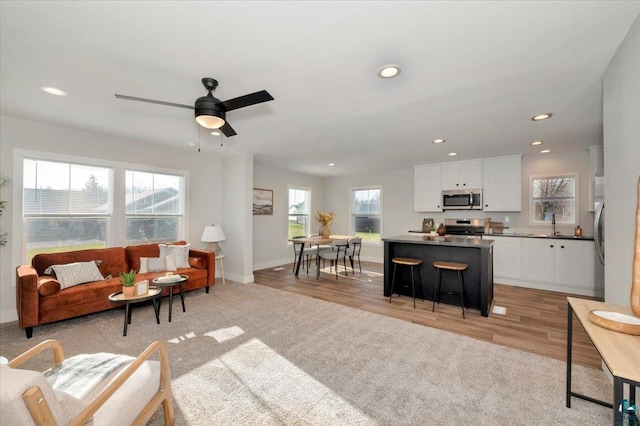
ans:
(325, 219)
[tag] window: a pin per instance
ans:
(298, 208)
(366, 213)
(65, 206)
(154, 207)
(553, 194)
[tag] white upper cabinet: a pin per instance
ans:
(502, 184)
(462, 175)
(427, 191)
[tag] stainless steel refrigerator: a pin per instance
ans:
(598, 234)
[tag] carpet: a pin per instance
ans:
(249, 354)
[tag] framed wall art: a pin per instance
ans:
(262, 201)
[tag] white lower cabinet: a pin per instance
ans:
(545, 263)
(506, 256)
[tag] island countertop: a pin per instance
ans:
(447, 240)
(476, 253)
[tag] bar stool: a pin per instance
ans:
(407, 261)
(450, 266)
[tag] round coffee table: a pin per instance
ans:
(178, 280)
(154, 294)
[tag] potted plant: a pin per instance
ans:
(128, 279)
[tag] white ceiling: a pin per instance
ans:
(473, 73)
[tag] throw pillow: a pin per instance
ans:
(50, 271)
(180, 251)
(77, 273)
(48, 285)
(158, 264)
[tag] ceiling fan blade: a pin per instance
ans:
(246, 100)
(227, 130)
(151, 101)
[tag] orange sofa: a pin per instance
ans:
(39, 299)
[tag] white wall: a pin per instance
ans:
(621, 106)
(237, 180)
(204, 178)
(270, 246)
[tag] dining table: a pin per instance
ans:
(313, 241)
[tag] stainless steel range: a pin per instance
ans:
(471, 227)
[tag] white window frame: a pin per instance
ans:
(182, 215)
(352, 215)
(576, 213)
(116, 230)
(309, 217)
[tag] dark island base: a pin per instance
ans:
(478, 277)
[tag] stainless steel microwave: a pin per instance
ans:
(462, 199)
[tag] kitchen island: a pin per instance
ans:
(475, 252)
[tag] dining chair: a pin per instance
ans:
(353, 250)
(309, 252)
(337, 251)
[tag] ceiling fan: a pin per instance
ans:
(211, 112)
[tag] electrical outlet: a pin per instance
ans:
(506, 219)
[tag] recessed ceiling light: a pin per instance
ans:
(536, 143)
(545, 151)
(332, 164)
(541, 117)
(215, 133)
(389, 71)
(438, 141)
(53, 91)
(453, 154)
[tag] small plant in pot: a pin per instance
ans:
(128, 279)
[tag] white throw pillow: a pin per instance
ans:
(158, 264)
(181, 253)
(77, 273)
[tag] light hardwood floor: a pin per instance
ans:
(535, 320)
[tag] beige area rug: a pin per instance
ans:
(247, 354)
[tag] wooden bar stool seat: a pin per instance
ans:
(450, 266)
(412, 263)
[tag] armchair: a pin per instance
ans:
(129, 395)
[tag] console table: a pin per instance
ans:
(620, 352)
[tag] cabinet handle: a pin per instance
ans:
(486, 205)
(551, 246)
(457, 184)
(561, 246)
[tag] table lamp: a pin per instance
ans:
(213, 234)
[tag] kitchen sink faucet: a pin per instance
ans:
(553, 224)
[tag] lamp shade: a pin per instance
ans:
(209, 113)
(212, 234)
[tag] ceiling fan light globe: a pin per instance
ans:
(210, 121)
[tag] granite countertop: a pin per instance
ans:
(447, 240)
(556, 237)
(525, 235)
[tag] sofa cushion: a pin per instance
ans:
(77, 273)
(158, 264)
(198, 262)
(181, 253)
(48, 285)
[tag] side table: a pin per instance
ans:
(153, 294)
(178, 280)
(620, 352)
(220, 259)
